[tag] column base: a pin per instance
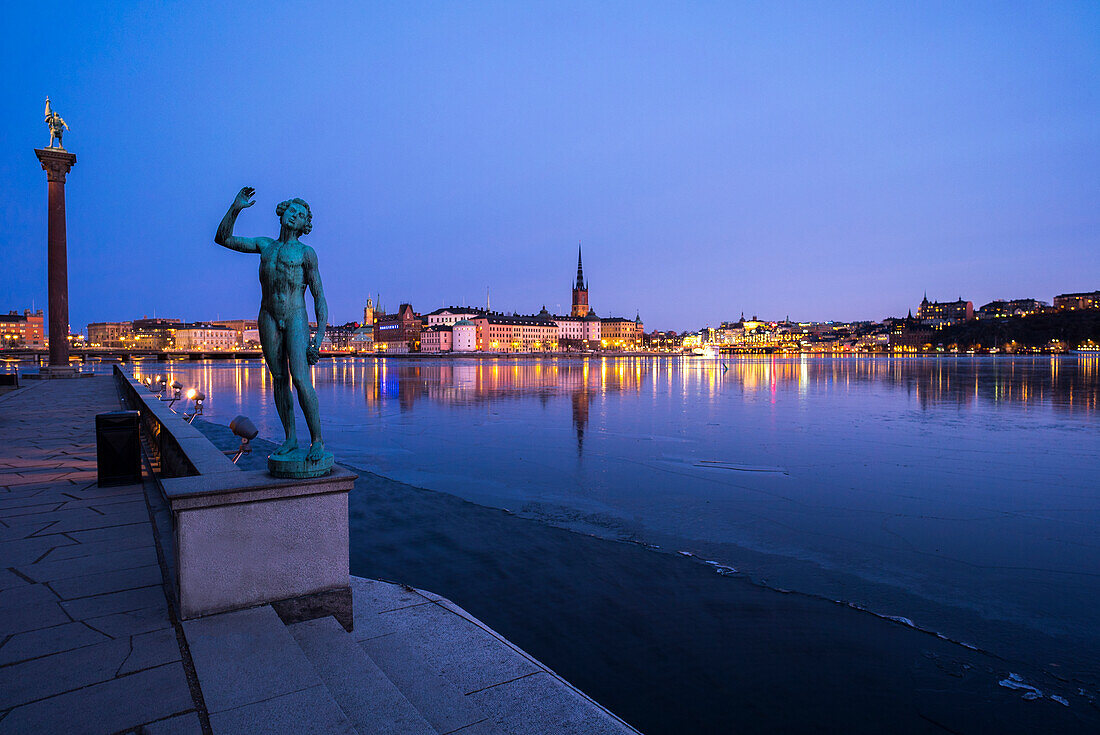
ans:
(53, 372)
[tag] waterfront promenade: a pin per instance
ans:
(89, 643)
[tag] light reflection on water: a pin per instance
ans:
(960, 492)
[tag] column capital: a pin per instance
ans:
(56, 162)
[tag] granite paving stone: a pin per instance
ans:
(97, 548)
(30, 595)
(82, 519)
(442, 703)
(32, 617)
(114, 581)
(369, 699)
(21, 511)
(151, 649)
(542, 704)
(141, 530)
(246, 656)
(9, 579)
(188, 724)
(61, 672)
(456, 649)
(115, 602)
(35, 643)
(305, 711)
(28, 550)
(106, 707)
(133, 622)
(46, 571)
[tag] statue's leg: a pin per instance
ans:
(297, 340)
(274, 346)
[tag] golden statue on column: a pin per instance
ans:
(57, 126)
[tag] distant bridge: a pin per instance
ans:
(106, 354)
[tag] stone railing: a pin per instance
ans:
(233, 538)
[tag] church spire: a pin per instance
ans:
(580, 268)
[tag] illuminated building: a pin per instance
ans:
(368, 313)
(1075, 301)
(398, 333)
(205, 337)
(110, 334)
(156, 334)
(940, 314)
(251, 339)
(24, 331)
(450, 314)
(500, 333)
(362, 339)
(337, 336)
(580, 291)
(464, 336)
(239, 327)
(436, 338)
(617, 333)
(1016, 307)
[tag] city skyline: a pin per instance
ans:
(447, 151)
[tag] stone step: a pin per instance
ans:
(254, 675)
(463, 676)
(367, 697)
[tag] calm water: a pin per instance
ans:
(960, 493)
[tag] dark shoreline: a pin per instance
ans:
(671, 646)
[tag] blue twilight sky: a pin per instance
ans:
(819, 160)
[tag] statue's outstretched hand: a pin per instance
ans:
(244, 198)
(313, 354)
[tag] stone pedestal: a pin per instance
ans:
(56, 162)
(52, 372)
(245, 539)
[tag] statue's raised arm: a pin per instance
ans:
(225, 236)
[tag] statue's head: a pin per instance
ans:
(295, 214)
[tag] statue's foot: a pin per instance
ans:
(287, 448)
(316, 451)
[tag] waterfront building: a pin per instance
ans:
(450, 314)
(940, 314)
(570, 331)
(617, 333)
(668, 341)
(154, 334)
(398, 333)
(362, 339)
(593, 330)
(205, 337)
(338, 336)
(436, 338)
(250, 339)
(464, 336)
(110, 334)
(580, 291)
(1017, 307)
(908, 335)
(22, 331)
(500, 333)
(239, 327)
(1077, 301)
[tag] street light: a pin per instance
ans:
(177, 387)
(198, 397)
(243, 427)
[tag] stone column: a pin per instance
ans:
(56, 162)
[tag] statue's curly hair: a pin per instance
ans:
(302, 202)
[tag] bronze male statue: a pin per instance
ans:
(287, 267)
